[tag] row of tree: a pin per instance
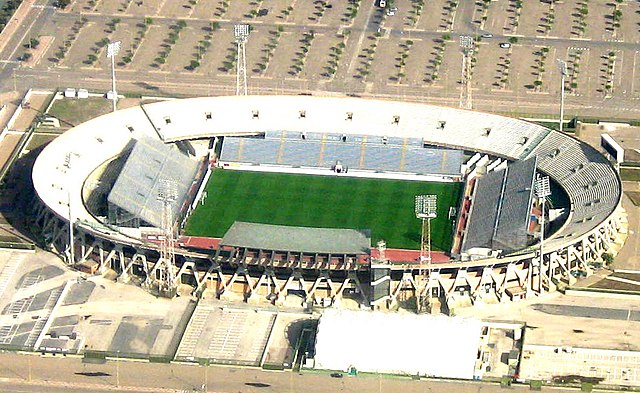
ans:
(7, 11)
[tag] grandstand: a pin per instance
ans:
(501, 209)
(152, 169)
(359, 152)
(342, 139)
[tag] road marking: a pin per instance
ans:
(28, 31)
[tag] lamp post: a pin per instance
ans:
(562, 66)
(112, 51)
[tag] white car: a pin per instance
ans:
(505, 45)
(486, 35)
(382, 3)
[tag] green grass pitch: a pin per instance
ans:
(386, 207)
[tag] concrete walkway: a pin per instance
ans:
(629, 256)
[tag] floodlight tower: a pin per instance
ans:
(425, 209)
(241, 33)
(562, 66)
(166, 280)
(67, 164)
(112, 51)
(467, 45)
(543, 190)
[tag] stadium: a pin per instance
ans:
(271, 197)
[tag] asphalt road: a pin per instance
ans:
(29, 373)
(589, 312)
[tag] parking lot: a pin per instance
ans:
(409, 49)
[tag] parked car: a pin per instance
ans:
(505, 45)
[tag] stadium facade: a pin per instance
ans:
(113, 175)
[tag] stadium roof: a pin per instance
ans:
(373, 342)
(515, 211)
(502, 208)
(297, 239)
(153, 168)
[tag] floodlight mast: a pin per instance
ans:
(241, 34)
(112, 51)
(562, 65)
(167, 281)
(425, 209)
(71, 235)
(543, 190)
(467, 44)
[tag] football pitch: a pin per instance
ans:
(386, 207)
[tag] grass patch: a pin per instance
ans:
(630, 174)
(634, 196)
(72, 112)
(386, 207)
(38, 140)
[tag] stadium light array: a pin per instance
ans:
(113, 48)
(241, 32)
(425, 206)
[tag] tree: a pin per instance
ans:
(607, 258)
(61, 3)
(513, 40)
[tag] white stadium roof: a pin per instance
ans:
(589, 179)
(438, 346)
